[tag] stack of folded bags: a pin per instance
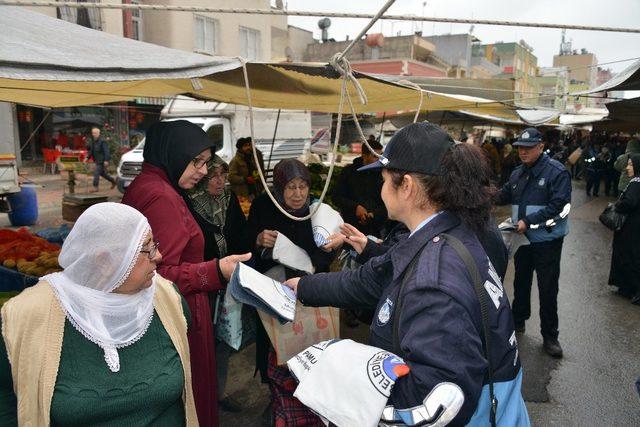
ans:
(344, 382)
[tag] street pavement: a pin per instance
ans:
(593, 385)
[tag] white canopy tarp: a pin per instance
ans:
(627, 79)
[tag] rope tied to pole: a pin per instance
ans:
(340, 63)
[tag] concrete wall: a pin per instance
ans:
(453, 48)
(581, 67)
(403, 47)
(299, 39)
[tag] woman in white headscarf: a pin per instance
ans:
(102, 342)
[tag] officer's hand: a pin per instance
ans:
(335, 242)
(522, 227)
(292, 284)
(267, 239)
(354, 237)
(228, 264)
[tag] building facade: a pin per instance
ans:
(458, 51)
(402, 56)
(553, 84)
(516, 61)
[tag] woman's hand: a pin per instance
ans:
(354, 237)
(228, 264)
(292, 284)
(267, 239)
(335, 242)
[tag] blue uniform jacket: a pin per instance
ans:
(538, 194)
(440, 328)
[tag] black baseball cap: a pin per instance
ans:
(418, 147)
(529, 138)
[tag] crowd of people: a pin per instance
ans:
(126, 333)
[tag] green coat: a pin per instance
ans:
(239, 170)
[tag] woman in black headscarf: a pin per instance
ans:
(625, 258)
(176, 155)
(291, 183)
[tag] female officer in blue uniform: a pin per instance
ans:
(427, 309)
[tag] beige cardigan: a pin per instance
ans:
(33, 328)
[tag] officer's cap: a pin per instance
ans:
(418, 147)
(529, 138)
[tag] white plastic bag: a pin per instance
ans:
(229, 322)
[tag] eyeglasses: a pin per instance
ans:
(301, 187)
(152, 251)
(199, 162)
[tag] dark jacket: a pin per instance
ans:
(537, 194)
(490, 239)
(264, 215)
(371, 250)
(360, 188)
(235, 231)
(625, 258)
(98, 150)
(440, 328)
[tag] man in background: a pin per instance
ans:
(357, 194)
(98, 150)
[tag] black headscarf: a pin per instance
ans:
(284, 172)
(172, 145)
(635, 161)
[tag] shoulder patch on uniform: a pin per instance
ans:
(557, 165)
(384, 314)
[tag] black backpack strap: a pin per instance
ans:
(397, 350)
(481, 293)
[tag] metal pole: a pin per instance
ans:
(273, 141)
(384, 115)
(366, 28)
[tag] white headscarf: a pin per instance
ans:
(97, 257)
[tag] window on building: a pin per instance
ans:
(216, 135)
(249, 43)
(87, 17)
(206, 35)
(136, 22)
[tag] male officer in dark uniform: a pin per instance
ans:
(538, 190)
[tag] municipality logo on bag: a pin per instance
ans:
(384, 369)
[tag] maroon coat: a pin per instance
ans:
(182, 248)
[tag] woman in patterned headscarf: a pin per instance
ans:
(217, 211)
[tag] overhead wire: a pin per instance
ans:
(285, 12)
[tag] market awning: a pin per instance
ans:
(60, 66)
(624, 115)
(628, 79)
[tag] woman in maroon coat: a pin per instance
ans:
(176, 155)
